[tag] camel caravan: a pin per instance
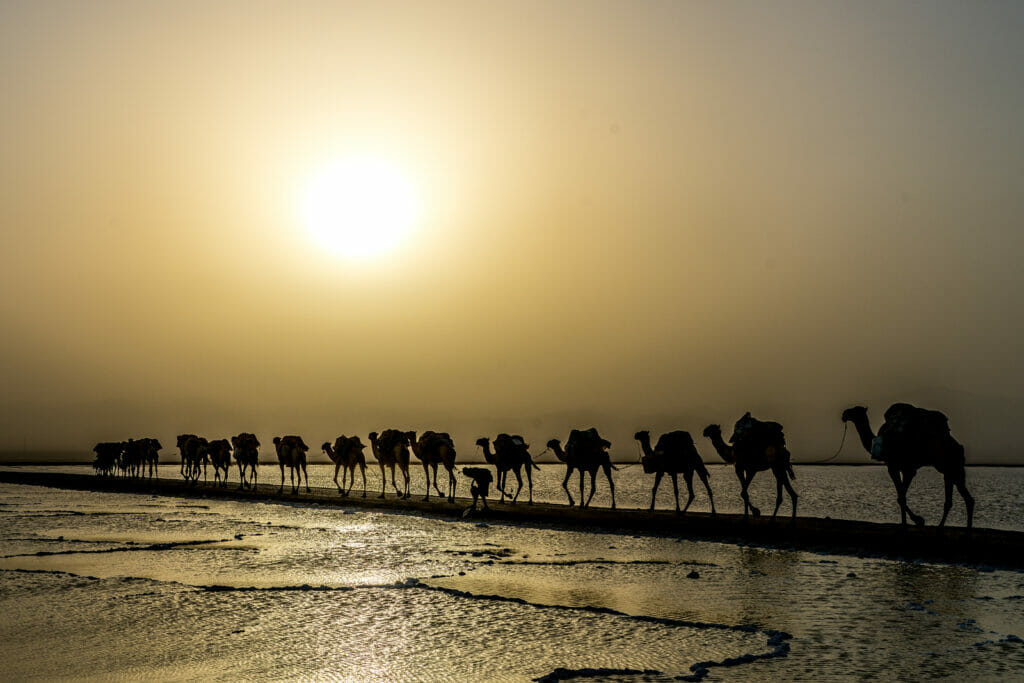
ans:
(909, 439)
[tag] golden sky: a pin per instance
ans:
(656, 214)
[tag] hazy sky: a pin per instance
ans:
(634, 214)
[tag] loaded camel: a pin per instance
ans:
(510, 453)
(291, 451)
(585, 451)
(910, 439)
(756, 446)
(219, 452)
(391, 448)
(433, 449)
(347, 454)
(247, 454)
(674, 453)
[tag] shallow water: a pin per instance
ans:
(100, 585)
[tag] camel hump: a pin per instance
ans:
(674, 441)
(749, 429)
(510, 441)
(904, 417)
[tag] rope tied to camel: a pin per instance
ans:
(846, 427)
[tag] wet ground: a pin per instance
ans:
(94, 585)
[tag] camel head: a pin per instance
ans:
(712, 431)
(326, 447)
(855, 414)
(554, 444)
(483, 442)
(642, 435)
(372, 436)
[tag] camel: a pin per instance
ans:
(152, 454)
(107, 455)
(910, 439)
(756, 446)
(433, 449)
(183, 440)
(585, 451)
(347, 453)
(675, 452)
(391, 448)
(291, 451)
(193, 455)
(510, 453)
(247, 454)
(219, 453)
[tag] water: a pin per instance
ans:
(102, 585)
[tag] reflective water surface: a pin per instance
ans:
(97, 585)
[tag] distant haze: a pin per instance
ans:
(635, 215)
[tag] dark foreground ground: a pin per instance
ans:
(989, 547)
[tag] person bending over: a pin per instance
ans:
(481, 484)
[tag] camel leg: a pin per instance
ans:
(778, 492)
(593, 486)
(281, 487)
(704, 478)
(436, 487)
(961, 486)
(907, 478)
(337, 466)
(611, 484)
(426, 473)
(452, 484)
(745, 480)
(500, 481)
(948, 503)
(519, 484)
(255, 474)
(791, 491)
(565, 485)
(529, 480)
(654, 491)
(405, 478)
(362, 471)
(306, 475)
(688, 478)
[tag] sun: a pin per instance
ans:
(360, 207)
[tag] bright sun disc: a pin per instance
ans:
(360, 208)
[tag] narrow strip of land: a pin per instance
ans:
(987, 547)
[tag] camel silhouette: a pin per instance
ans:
(756, 446)
(291, 452)
(391, 448)
(587, 452)
(433, 449)
(219, 453)
(247, 454)
(347, 454)
(183, 448)
(193, 456)
(511, 453)
(108, 453)
(674, 453)
(910, 439)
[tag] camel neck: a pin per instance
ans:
(724, 450)
(864, 432)
(645, 443)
